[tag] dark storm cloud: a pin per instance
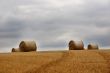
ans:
(54, 23)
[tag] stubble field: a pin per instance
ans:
(76, 61)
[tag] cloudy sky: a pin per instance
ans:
(53, 23)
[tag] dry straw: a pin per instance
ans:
(93, 47)
(76, 45)
(16, 50)
(27, 46)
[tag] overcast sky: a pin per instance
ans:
(53, 23)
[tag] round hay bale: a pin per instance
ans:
(16, 50)
(27, 46)
(93, 47)
(76, 45)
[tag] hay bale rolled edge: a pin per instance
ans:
(27, 46)
(93, 47)
(16, 50)
(76, 45)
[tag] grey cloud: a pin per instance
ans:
(55, 44)
(54, 23)
(102, 40)
(10, 33)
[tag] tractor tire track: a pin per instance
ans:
(106, 58)
(44, 67)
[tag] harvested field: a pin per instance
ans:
(76, 61)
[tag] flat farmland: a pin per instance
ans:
(75, 61)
